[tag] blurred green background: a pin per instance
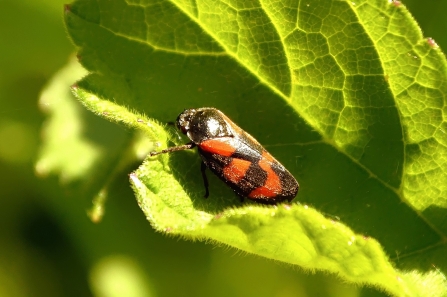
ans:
(48, 245)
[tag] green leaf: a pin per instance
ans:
(349, 96)
(64, 129)
(72, 153)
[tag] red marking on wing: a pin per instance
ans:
(272, 186)
(235, 171)
(217, 147)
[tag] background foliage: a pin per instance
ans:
(51, 248)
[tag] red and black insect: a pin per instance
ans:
(234, 156)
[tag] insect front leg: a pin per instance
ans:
(174, 149)
(205, 179)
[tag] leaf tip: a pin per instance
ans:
(432, 43)
(395, 3)
(96, 212)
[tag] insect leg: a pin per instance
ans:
(174, 149)
(205, 179)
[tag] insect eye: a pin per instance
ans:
(182, 126)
